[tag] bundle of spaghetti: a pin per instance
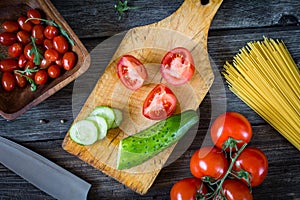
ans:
(265, 76)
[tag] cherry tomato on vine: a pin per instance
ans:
(50, 32)
(69, 60)
(23, 37)
(38, 33)
(33, 13)
(25, 26)
(131, 72)
(10, 26)
(177, 66)
(41, 77)
(51, 55)
(7, 38)
(15, 50)
(20, 80)
(160, 103)
(234, 189)
(187, 189)
(8, 65)
(231, 124)
(209, 161)
(60, 44)
(30, 65)
(8, 81)
(254, 161)
(27, 50)
(54, 71)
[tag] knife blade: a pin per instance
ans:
(41, 172)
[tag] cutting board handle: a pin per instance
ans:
(192, 18)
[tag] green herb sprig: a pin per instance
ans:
(35, 50)
(28, 71)
(122, 6)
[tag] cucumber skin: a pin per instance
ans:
(142, 146)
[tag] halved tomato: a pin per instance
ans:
(160, 103)
(177, 66)
(131, 72)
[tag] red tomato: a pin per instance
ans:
(160, 103)
(131, 72)
(187, 189)
(50, 32)
(231, 124)
(20, 80)
(25, 26)
(38, 33)
(7, 38)
(8, 81)
(209, 161)
(10, 26)
(254, 161)
(69, 60)
(41, 77)
(23, 37)
(235, 190)
(15, 50)
(48, 44)
(177, 66)
(51, 55)
(27, 50)
(54, 71)
(22, 61)
(59, 62)
(30, 65)
(60, 44)
(33, 13)
(8, 65)
(45, 63)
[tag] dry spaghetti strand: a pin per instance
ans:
(265, 76)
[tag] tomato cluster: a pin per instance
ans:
(37, 51)
(228, 169)
(177, 68)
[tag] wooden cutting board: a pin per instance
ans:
(187, 27)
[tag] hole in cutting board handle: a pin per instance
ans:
(204, 2)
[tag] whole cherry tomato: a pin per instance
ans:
(234, 189)
(60, 44)
(7, 38)
(38, 33)
(25, 26)
(69, 60)
(160, 103)
(131, 72)
(23, 37)
(51, 55)
(8, 65)
(254, 161)
(15, 50)
(54, 71)
(10, 26)
(8, 81)
(209, 161)
(48, 44)
(30, 65)
(22, 61)
(187, 189)
(59, 62)
(231, 124)
(177, 66)
(50, 32)
(45, 63)
(27, 49)
(33, 13)
(20, 80)
(41, 77)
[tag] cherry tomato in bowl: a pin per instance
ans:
(177, 66)
(160, 103)
(131, 72)
(254, 161)
(231, 124)
(10, 26)
(8, 81)
(34, 13)
(210, 162)
(187, 189)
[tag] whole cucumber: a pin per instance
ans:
(142, 146)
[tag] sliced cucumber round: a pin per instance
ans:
(101, 123)
(118, 117)
(84, 132)
(106, 112)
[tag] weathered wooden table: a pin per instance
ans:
(237, 22)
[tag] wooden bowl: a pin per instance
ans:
(15, 103)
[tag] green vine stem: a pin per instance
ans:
(28, 71)
(122, 6)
